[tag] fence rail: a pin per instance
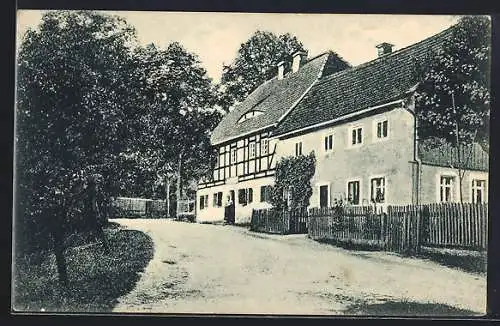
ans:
(399, 228)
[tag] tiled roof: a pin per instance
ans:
(373, 83)
(274, 98)
(472, 156)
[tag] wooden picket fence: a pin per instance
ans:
(404, 228)
(455, 225)
(138, 207)
(352, 224)
(279, 221)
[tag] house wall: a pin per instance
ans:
(430, 183)
(245, 164)
(242, 212)
(390, 157)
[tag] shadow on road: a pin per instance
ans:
(407, 308)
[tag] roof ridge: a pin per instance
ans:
(275, 77)
(379, 59)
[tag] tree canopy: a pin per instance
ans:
(255, 63)
(459, 73)
(178, 112)
(97, 110)
(73, 104)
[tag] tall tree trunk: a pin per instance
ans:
(178, 192)
(96, 215)
(167, 195)
(60, 259)
(58, 237)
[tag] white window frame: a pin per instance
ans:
(474, 188)
(234, 155)
(264, 144)
(386, 184)
(205, 202)
(375, 127)
(328, 134)
(358, 179)
(251, 149)
(328, 199)
(480, 177)
(349, 136)
(455, 187)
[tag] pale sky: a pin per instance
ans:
(216, 37)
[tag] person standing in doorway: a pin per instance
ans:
(229, 210)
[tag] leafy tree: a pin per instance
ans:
(255, 63)
(453, 99)
(455, 88)
(172, 134)
(293, 177)
(74, 102)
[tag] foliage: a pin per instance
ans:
(255, 63)
(98, 277)
(461, 68)
(73, 107)
(295, 173)
(176, 115)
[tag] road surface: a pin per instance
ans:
(199, 268)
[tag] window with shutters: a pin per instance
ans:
(245, 196)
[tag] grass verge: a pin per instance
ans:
(96, 278)
(408, 308)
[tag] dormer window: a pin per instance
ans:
(250, 114)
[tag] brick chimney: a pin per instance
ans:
(384, 49)
(281, 69)
(299, 58)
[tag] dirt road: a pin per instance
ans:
(225, 269)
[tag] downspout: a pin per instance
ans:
(416, 159)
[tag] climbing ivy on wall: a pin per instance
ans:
(293, 173)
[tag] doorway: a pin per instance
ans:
(230, 209)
